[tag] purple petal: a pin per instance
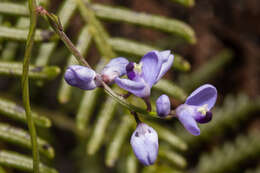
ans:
(206, 94)
(150, 67)
(81, 77)
(185, 114)
(163, 105)
(167, 63)
(138, 88)
(144, 142)
(115, 68)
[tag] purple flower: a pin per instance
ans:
(197, 108)
(144, 75)
(163, 105)
(144, 142)
(115, 68)
(81, 77)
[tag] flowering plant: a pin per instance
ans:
(140, 79)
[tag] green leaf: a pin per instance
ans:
(207, 71)
(173, 26)
(16, 112)
(35, 72)
(99, 131)
(171, 89)
(168, 136)
(116, 143)
(17, 34)
(21, 162)
(22, 138)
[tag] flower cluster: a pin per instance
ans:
(140, 79)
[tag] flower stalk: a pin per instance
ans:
(25, 85)
(57, 27)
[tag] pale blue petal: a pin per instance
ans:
(144, 142)
(115, 68)
(167, 64)
(206, 94)
(151, 66)
(81, 77)
(140, 89)
(163, 105)
(186, 114)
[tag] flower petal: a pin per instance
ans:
(206, 94)
(167, 63)
(163, 105)
(186, 114)
(138, 88)
(151, 67)
(81, 77)
(144, 142)
(115, 68)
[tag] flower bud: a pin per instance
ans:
(144, 142)
(115, 68)
(81, 77)
(163, 105)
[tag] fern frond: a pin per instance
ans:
(35, 72)
(17, 34)
(114, 148)
(14, 111)
(21, 137)
(207, 71)
(173, 26)
(230, 157)
(21, 162)
(99, 131)
(171, 89)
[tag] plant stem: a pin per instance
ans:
(25, 84)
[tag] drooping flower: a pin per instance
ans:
(144, 142)
(84, 77)
(142, 76)
(115, 68)
(163, 105)
(197, 108)
(81, 77)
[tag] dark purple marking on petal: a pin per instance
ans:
(131, 75)
(204, 119)
(130, 67)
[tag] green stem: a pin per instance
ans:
(25, 85)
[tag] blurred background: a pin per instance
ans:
(216, 42)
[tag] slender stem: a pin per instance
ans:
(148, 104)
(137, 120)
(25, 85)
(54, 23)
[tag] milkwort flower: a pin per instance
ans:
(81, 77)
(115, 68)
(197, 108)
(144, 142)
(85, 78)
(142, 76)
(163, 105)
